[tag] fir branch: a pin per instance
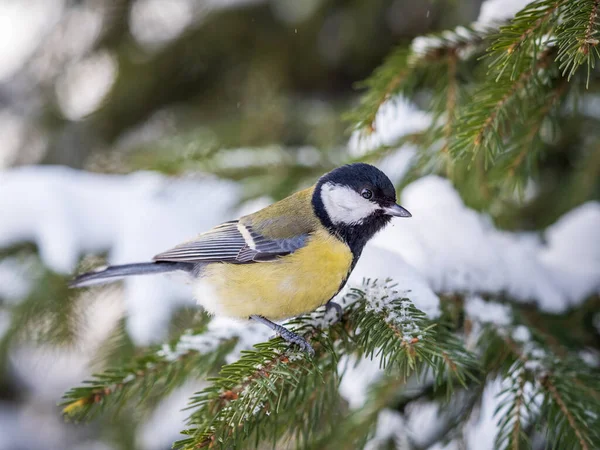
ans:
(577, 37)
(49, 315)
(406, 70)
(266, 387)
(523, 37)
(402, 337)
(511, 433)
(570, 408)
(519, 402)
(461, 41)
(486, 125)
(156, 372)
(590, 30)
(579, 429)
(256, 394)
(552, 99)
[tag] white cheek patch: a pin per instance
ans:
(344, 205)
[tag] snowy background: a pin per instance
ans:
(49, 48)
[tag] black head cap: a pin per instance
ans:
(365, 204)
(360, 176)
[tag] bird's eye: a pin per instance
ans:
(366, 193)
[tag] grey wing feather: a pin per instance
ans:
(227, 243)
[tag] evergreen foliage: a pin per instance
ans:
(498, 95)
(503, 98)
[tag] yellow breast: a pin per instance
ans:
(287, 287)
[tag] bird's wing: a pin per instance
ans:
(232, 242)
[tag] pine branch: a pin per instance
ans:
(523, 39)
(487, 125)
(552, 99)
(252, 397)
(403, 339)
(255, 395)
(517, 163)
(570, 409)
(578, 38)
(156, 372)
(385, 82)
(461, 41)
(573, 419)
(49, 315)
(406, 70)
(515, 405)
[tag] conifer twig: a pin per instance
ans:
(532, 133)
(589, 40)
(516, 87)
(518, 404)
(533, 27)
(144, 375)
(547, 383)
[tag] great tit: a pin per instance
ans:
(284, 260)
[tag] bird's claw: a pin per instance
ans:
(293, 338)
(286, 335)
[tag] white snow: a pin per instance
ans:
(220, 329)
(492, 14)
(168, 419)
(461, 37)
(378, 262)
(572, 253)
(495, 11)
(521, 334)
(444, 247)
(487, 312)
(68, 213)
(48, 371)
(358, 376)
(395, 118)
(458, 250)
(390, 428)
(36, 425)
(482, 427)
(385, 299)
(425, 420)
(155, 23)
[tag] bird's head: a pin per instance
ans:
(356, 201)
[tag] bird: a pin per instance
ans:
(284, 260)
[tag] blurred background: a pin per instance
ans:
(89, 84)
(177, 114)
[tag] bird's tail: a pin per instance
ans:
(114, 273)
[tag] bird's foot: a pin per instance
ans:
(294, 338)
(286, 335)
(337, 308)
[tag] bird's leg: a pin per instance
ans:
(286, 334)
(335, 306)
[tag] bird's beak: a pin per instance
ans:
(396, 211)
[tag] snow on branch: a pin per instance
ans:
(68, 213)
(269, 386)
(152, 374)
(458, 250)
